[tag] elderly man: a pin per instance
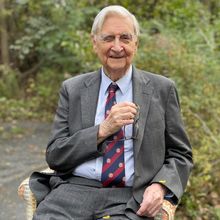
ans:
(118, 146)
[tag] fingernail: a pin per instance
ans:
(138, 213)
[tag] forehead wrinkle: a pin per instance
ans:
(111, 34)
(118, 28)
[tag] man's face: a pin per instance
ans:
(116, 44)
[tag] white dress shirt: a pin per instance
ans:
(92, 169)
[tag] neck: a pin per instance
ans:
(116, 75)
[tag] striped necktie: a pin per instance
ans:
(113, 169)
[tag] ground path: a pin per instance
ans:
(22, 147)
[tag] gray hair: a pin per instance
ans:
(113, 10)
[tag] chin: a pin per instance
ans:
(117, 70)
(118, 67)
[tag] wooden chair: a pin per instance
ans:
(167, 212)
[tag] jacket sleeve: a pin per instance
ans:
(178, 162)
(67, 150)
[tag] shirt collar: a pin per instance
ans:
(123, 83)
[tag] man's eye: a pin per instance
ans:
(126, 38)
(109, 38)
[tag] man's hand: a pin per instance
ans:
(152, 200)
(121, 114)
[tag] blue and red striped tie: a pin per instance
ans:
(113, 169)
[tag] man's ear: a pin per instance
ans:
(136, 46)
(94, 42)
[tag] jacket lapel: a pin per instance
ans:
(89, 99)
(142, 94)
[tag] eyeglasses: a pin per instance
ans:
(135, 127)
(125, 38)
(134, 132)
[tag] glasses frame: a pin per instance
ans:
(135, 129)
(125, 38)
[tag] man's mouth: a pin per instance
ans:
(116, 57)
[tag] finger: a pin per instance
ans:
(154, 211)
(123, 109)
(148, 211)
(131, 104)
(114, 122)
(148, 205)
(143, 210)
(140, 211)
(126, 116)
(152, 208)
(126, 106)
(127, 122)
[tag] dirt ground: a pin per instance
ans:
(22, 147)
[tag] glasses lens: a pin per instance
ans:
(136, 130)
(125, 38)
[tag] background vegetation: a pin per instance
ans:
(46, 41)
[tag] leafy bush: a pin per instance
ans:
(11, 109)
(57, 36)
(9, 85)
(46, 89)
(197, 79)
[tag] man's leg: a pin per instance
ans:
(69, 202)
(82, 199)
(113, 204)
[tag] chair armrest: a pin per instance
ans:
(25, 193)
(167, 212)
(30, 202)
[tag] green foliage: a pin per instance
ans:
(9, 86)
(198, 81)
(51, 35)
(46, 88)
(11, 109)
(179, 39)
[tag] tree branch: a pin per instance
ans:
(205, 127)
(32, 71)
(4, 35)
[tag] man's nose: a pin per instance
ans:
(117, 45)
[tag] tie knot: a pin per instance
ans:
(113, 87)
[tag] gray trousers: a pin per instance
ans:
(78, 198)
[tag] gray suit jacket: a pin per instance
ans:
(162, 152)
